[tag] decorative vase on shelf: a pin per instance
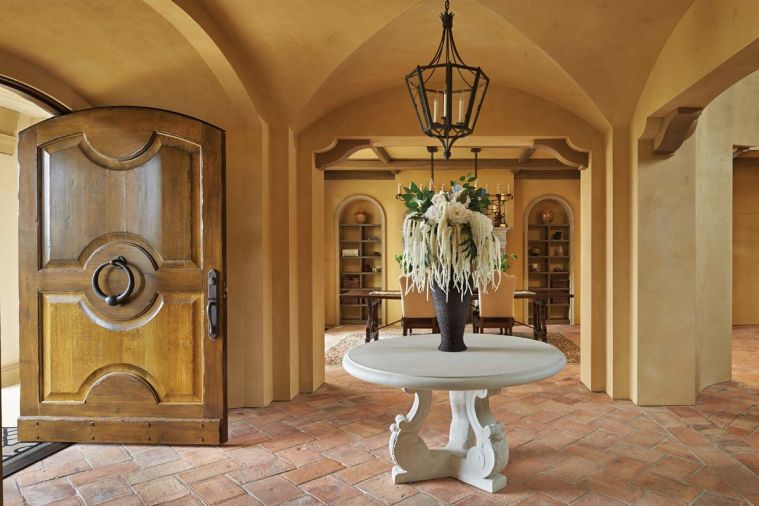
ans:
(452, 311)
(360, 217)
(547, 216)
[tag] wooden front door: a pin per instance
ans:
(121, 235)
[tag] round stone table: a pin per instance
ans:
(477, 450)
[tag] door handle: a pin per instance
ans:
(212, 306)
(114, 300)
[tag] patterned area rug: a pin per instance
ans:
(334, 355)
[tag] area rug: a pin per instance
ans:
(334, 355)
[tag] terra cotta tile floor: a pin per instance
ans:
(567, 446)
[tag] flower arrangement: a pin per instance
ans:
(447, 238)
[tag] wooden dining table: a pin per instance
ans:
(374, 297)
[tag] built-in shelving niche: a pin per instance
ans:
(548, 257)
(360, 256)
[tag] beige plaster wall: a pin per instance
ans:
(683, 251)
(746, 244)
(11, 122)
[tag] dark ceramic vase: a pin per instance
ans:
(452, 313)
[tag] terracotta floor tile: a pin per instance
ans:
(209, 470)
(447, 490)
(330, 490)
(674, 467)
(707, 499)
(572, 469)
(349, 455)
(617, 489)
(273, 490)
(107, 489)
(382, 488)
(555, 488)
(364, 471)
(48, 491)
(594, 499)
(312, 471)
(260, 470)
(299, 455)
(107, 455)
(540, 500)
(217, 489)
(159, 471)
(666, 486)
(654, 499)
(161, 490)
(200, 456)
(360, 500)
(277, 443)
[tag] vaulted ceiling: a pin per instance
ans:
(305, 58)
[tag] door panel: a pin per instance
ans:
(121, 220)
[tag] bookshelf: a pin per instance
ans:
(360, 263)
(549, 260)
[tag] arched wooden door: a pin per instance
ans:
(121, 235)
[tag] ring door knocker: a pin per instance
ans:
(114, 300)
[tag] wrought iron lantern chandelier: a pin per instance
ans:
(447, 93)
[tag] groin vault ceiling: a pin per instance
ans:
(302, 59)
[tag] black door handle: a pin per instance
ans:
(212, 307)
(114, 300)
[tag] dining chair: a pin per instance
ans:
(497, 306)
(417, 308)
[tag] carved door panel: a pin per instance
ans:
(121, 273)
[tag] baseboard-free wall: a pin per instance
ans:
(745, 243)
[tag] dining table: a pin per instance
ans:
(374, 297)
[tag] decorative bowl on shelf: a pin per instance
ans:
(361, 217)
(547, 216)
(535, 251)
(534, 267)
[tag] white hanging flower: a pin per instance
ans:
(435, 212)
(458, 213)
(439, 198)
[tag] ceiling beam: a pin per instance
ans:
(739, 150)
(547, 174)
(527, 154)
(565, 153)
(382, 154)
(675, 128)
(339, 151)
(338, 175)
(407, 164)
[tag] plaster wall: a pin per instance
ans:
(683, 251)
(745, 243)
(11, 122)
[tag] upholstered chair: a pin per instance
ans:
(497, 306)
(417, 308)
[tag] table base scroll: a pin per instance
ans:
(477, 450)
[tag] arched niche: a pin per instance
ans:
(538, 234)
(348, 233)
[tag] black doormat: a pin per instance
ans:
(18, 455)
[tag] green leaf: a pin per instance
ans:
(414, 187)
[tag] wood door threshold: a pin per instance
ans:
(132, 430)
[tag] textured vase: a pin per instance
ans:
(452, 313)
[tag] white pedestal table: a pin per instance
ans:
(477, 450)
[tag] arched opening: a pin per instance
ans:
(21, 106)
(549, 241)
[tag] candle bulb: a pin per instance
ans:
(461, 108)
(434, 108)
(508, 188)
(399, 188)
(498, 188)
(486, 187)
(445, 105)
(432, 186)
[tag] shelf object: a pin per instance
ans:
(549, 272)
(364, 243)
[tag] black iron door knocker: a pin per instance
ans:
(114, 300)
